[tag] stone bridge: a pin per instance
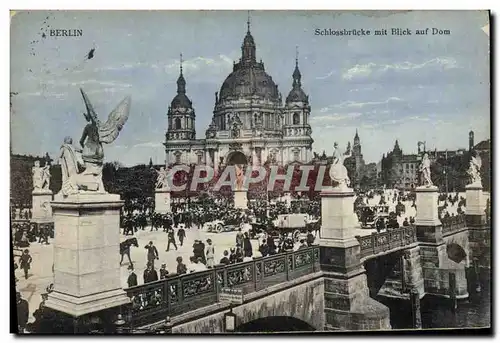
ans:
(292, 285)
(324, 287)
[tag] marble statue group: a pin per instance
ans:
(425, 169)
(162, 179)
(41, 177)
(474, 170)
(82, 168)
(338, 172)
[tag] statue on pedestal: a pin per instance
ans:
(425, 169)
(338, 172)
(41, 177)
(474, 170)
(162, 179)
(82, 169)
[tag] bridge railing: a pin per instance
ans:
(452, 224)
(180, 294)
(379, 242)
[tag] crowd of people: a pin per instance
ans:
(204, 255)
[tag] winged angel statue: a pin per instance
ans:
(82, 168)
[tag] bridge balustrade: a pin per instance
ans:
(180, 294)
(452, 224)
(380, 242)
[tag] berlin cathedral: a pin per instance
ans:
(250, 123)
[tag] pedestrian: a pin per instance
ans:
(247, 246)
(264, 249)
(163, 271)
(150, 274)
(405, 222)
(310, 238)
(232, 256)
(181, 267)
(412, 220)
(210, 254)
(132, 277)
(239, 238)
(171, 239)
(181, 233)
(25, 262)
(225, 260)
(22, 312)
(202, 251)
(152, 253)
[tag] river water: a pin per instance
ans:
(436, 312)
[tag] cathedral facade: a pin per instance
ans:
(250, 122)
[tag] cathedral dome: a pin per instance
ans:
(249, 77)
(248, 80)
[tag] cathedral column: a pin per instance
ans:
(208, 159)
(254, 158)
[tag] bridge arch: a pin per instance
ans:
(275, 324)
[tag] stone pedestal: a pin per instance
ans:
(475, 205)
(348, 305)
(240, 199)
(338, 220)
(479, 232)
(86, 254)
(162, 201)
(429, 227)
(436, 265)
(42, 210)
(427, 206)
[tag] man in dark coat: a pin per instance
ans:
(25, 262)
(22, 312)
(181, 267)
(264, 249)
(171, 239)
(181, 233)
(163, 271)
(132, 277)
(152, 253)
(247, 246)
(150, 274)
(310, 238)
(202, 253)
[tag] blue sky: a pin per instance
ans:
(410, 88)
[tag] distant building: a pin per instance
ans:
(355, 163)
(399, 170)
